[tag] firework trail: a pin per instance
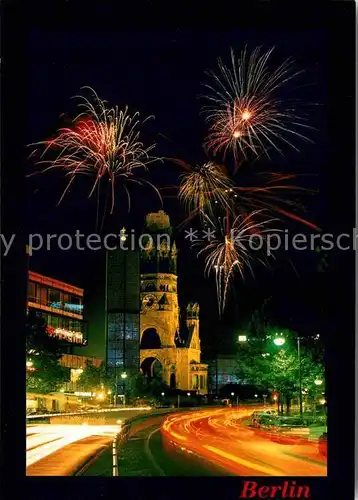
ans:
(273, 196)
(212, 190)
(246, 112)
(229, 248)
(102, 142)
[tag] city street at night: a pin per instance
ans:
(210, 442)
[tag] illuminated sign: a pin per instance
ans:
(68, 307)
(84, 394)
(68, 335)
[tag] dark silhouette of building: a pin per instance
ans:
(122, 313)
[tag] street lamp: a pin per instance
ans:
(123, 377)
(188, 393)
(237, 399)
(256, 396)
(242, 338)
(29, 364)
(163, 394)
(317, 382)
(279, 341)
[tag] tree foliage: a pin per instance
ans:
(97, 379)
(276, 368)
(93, 378)
(44, 352)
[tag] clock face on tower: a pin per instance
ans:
(149, 301)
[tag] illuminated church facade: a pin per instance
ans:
(168, 345)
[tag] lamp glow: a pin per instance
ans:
(242, 338)
(279, 341)
(123, 236)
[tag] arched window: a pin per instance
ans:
(150, 339)
(151, 367)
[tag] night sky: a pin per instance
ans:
(161, 74)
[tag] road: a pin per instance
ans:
(60, 450)
(212, 442)
(219, 437)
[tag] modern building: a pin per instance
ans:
(122, 308)
(61, 306)
(221, 372)
(167, 345)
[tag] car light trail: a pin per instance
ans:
(258, 468)
(220, 436)
(81, 413)
(64, 435)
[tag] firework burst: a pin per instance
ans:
(230, 248)
(245, 111)
(102, 142)
(203, 188)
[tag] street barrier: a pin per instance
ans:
(115, 457)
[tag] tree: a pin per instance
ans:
(95, 379)
(275, 368)
(44, 352)
(137, 386)
(90, 379)
(157, 386)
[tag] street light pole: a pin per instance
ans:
(299, 374)
(279, 341)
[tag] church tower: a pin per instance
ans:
(192, 323)
(166, 349)
(158, 290)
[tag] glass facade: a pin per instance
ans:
(56, 299)
(222, 371)
(123, 340)
(123, 312)
(61, 306)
